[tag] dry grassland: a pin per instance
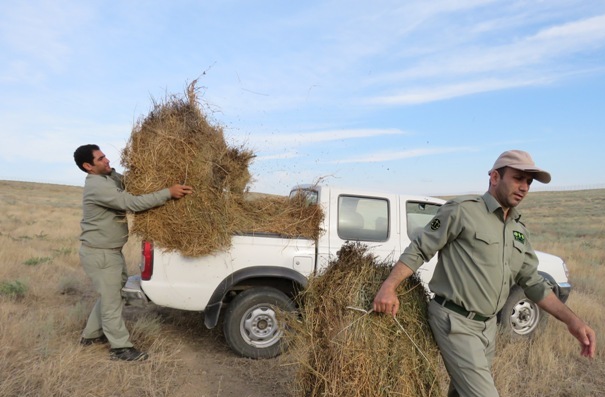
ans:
(45, 298)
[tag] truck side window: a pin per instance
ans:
(363, 218)
(418, 216)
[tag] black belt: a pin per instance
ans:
(459, 309)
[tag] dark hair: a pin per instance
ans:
(83, 154)
(501, 171)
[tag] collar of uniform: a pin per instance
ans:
(492, 205)
(490, 202)
(114, 177)
(93, 176)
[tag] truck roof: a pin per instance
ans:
(364, 192)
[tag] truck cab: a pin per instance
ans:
(262, 272)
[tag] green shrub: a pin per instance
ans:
(63, 251)
(37, 260)
(14, 289)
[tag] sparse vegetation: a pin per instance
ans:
(37, 260)
(40, 325)
(63, 251)
(13, 289)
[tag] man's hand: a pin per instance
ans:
(179, 191)
(578, 328)
(386, 300)
(586, 336)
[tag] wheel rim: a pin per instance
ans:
(525, 317)
(259, 327)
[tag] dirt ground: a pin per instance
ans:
(210, 369)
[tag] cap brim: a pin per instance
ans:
(542, 176)
(539, 175)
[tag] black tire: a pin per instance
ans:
(520, 317)
(251, 325)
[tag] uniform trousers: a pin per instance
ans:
(468, 348)
(107, 270)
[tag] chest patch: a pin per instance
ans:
(519, 236)
(435, 224)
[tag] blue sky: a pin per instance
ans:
(408, 96)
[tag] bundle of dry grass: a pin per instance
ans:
(286, 216)
(342, 350)
(176, 143)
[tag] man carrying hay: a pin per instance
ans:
(104, 233)
(483, 249)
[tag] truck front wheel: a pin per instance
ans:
(520, 316)
(251, 325)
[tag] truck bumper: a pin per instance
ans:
(132, 292)
(563, 290)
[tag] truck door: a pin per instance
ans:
(415, 215)
(367, 219)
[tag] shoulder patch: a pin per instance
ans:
(519, 236)
(435, 224)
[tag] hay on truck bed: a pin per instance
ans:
(343, 351)
(177, 143)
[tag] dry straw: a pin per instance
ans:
(343, 349)
(176, 143)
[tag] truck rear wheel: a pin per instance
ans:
(520, 316)
(252, 326)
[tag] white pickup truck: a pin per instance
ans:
(263, 271)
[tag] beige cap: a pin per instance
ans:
(520, 160)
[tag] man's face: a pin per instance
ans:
(511, 188)
(100, 164)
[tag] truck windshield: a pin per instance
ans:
(310, 196)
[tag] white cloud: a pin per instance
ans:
(39, 35)
(400, 154)
(533, 59)
(329, 135)
(282, 156)
(52, 140)
(562, 41)
(273, 142)
(386, 49)
(20, 71)
(418, 95)
(587, 31)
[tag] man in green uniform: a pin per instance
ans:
(483, 249)
(104, 233)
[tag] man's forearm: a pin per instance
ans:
(552, 305)
(399, 273)
(386, 300)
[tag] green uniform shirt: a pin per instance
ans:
(105, 203)
(480, 254)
